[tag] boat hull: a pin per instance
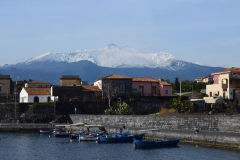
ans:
(45, 132)
(119, 138)
(155, 144)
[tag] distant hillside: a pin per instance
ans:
(52, 70)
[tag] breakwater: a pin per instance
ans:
(221, 130)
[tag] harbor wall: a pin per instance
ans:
(216, 129)
(22, 127)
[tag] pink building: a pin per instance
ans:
(151, 87)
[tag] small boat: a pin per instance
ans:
(90, 137)
(119, 137)
(60, 133)
(155, 144)
(45, 131)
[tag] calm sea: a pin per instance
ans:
(15, 146)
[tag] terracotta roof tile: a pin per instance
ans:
(41, 82)
(113, 76)
(143, 79)
(234, 69)
(91, 88)
(38, 91)
(165, 83)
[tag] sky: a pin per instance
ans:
(201, 31)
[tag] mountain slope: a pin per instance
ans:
(115, 57)
(88, 71)
(92, 64)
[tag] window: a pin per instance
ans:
(36, 99)
(154, 90)
(210, 94)
(166, 91)
(122, 87)
(141, 88)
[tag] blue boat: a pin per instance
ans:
(90, 137)
(155, 144)
(119, 137)
(45, 131)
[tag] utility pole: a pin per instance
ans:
(15, 103)
(180, 88)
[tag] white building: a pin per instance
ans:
(98, 83)
(35, 95)
(226, 84)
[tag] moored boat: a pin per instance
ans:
(155, 144)
(91, 132)
(45, 131)
(119, 138)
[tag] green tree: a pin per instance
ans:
(182, 106)
(121, 109)
(167, 80)
(176, 85)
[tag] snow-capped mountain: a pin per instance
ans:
(115, 57)
(91, 64)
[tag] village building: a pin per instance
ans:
(226, 84)
(35, 95)
(151, 87)
(5, 84)
(98, 83)
(70, 80)
(121, 85)
(165, 89)
(83, 93)
(116, 85)
(206, 80)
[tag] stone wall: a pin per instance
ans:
(148, 105)
(26, 113)
(215, 128)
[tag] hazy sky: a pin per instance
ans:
(204, 31)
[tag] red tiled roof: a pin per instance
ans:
(70, 77)
(200, 78)
(113, 76)
(233, 69)
(143, 79)
(38, 91)
(165, 83)
(91, 88)
(41, 82)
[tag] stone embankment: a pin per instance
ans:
(22, 127)
(215, 130)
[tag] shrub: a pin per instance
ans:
(121, 109)
(182, 106)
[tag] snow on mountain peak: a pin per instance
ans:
(111, 56)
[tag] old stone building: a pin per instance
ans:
(69, 80)
(5, 84)
(83, 93)
(116, 85)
